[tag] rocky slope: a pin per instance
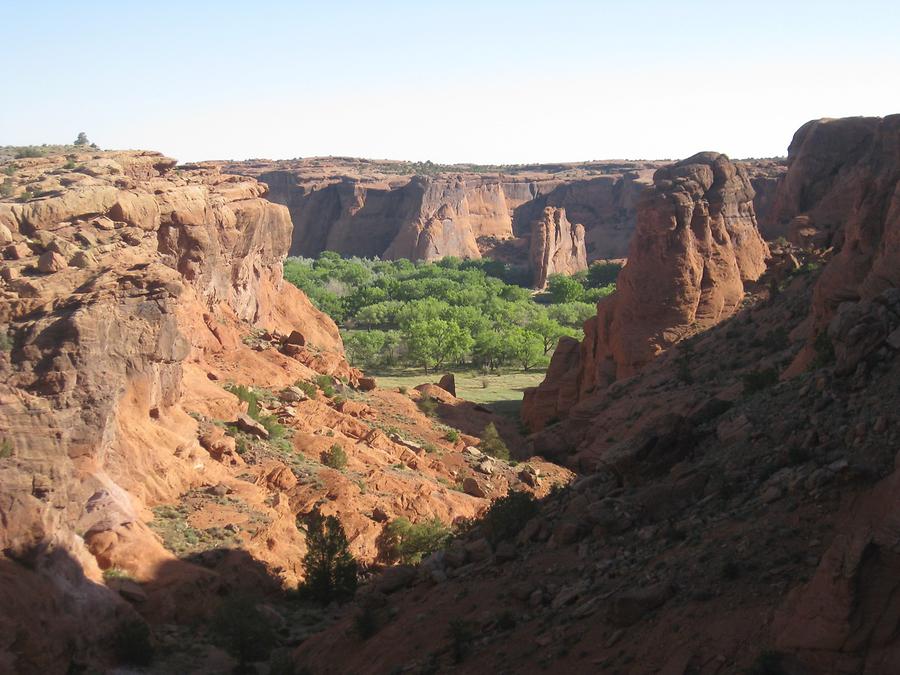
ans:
(695, 246)
(727, 521)
(136, 297)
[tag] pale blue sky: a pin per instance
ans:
(491, 82)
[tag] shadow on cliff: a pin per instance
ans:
(55, 618)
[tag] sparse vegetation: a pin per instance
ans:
(276, 430)
(452, 436)
(492, 444)
(115, 573)
(410, 542)
(307, 388)
(335, 457)
(330, 569)
(326, 384)
(6, 448)
(7, 188)
(427, 405)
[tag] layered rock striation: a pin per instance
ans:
(557, 246)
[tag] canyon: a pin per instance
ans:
(710, 473)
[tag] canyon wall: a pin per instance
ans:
(362, 208)
(695, 246)
(370, 208)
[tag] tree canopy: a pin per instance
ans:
(450, 312)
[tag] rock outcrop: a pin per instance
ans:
(842, 190)
(557, 246)
(695, 246)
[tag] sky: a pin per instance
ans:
(487, 82)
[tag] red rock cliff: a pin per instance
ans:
(695, 245)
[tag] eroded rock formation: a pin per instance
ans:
(695, 246)
(557, 246)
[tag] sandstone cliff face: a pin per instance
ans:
(557, 246)
(843, 190)
(695, 246)
(357, 207)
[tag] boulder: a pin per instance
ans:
(51, 262)
(448, 383)
(472, 487)
(250, 426)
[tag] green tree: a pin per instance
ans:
(82, 139)
(434, 342)
(572, 314)
(366, 348)
(550, 331)
(525, 347)
(602, 274)
(489, 349)
(331, 570)
(564, 289)
(410, 542)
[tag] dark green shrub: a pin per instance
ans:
(452, 436)
(507, 516)
(757, 380)
(307, 388)
(242, 630)
(492, 444)
(409, 543)
(132, 644)
(28, 151)
(326, 384)
(248, 396)
(824, 351)
(335, 457)
(7, 188)
(331, 570)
